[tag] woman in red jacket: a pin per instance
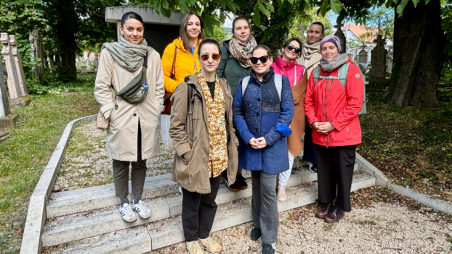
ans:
(333, 100)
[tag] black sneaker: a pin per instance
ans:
(268, 248)
(235, 187)
(242, 182)
(255, 234)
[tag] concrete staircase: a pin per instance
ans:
(87, 220)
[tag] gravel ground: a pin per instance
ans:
(380, 222)
(86, 163)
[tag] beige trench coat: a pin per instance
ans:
(189, 131)
(122, 133)
(312, 63)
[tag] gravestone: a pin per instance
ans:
(378, 60)
(159, 32)
(363, 55)
(7, 120)
(4, 104)
(84, 67)
(13, 82)
(39, 51)
(341, 35)
(33, 55)
(19, 67)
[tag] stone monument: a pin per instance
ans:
(39, 51)
(13, 82)
(84, 66)
(363, 55)
(19, 66)
(378, 59)
(341, 35)
(7, 120)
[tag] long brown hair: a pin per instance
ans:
(183, 29)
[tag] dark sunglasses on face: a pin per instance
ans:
(291, 47)
(206, 57)
(254, 60)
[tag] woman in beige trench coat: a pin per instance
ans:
(133, 132)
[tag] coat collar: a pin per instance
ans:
(284, 65)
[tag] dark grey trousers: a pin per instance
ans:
(121, 173)
(264, 206)
(335, 170)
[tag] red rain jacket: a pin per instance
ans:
(329, 101)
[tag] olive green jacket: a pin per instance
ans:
(190, 134)
(230, 69)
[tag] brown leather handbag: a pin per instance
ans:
(167, 96)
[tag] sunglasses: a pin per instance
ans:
(291, 47)
(206, 57)
(254, 60)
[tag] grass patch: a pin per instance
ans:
(411, 145)
(365, 222)
(25, 153)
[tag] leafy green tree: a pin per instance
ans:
(219, 34)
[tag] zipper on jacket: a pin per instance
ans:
(324, 103)
(194, 65)
(346, 126)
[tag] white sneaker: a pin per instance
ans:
(127, 213)
(142, 209)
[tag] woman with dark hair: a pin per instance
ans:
(234, 65)
(285, 65)
(180, 57)
(205, 143)
(263, 110)
(334, 98)
(132, 134)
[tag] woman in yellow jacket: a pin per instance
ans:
(182, 52)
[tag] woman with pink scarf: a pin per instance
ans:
(285, 65)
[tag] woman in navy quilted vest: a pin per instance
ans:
(262, 115)
(334, 98)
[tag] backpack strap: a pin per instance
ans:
(245, 82)
(278, 84)
(341, 76)
(316, 74)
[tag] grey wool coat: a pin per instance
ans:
(122, 133)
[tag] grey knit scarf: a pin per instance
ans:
(128, 55)
(333, 64)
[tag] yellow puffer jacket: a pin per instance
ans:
(186, 64)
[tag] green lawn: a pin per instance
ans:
(411, 145)
(24, 155)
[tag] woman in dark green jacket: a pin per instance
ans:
(234, 65)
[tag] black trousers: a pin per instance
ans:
(335, 170)
(198, 211)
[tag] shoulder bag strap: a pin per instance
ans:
(173, 74)
(295, 75)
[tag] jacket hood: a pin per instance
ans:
(284, 65)
(226, 44)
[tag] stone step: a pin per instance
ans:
(91, 198)
(82, 225)
(167, 232)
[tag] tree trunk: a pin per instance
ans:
(66, 28)
(418, 47)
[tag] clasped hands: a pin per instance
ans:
(258, 143)
(323, 127)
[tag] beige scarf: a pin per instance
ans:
(241, 51)
(310, 49)
(218, 152)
